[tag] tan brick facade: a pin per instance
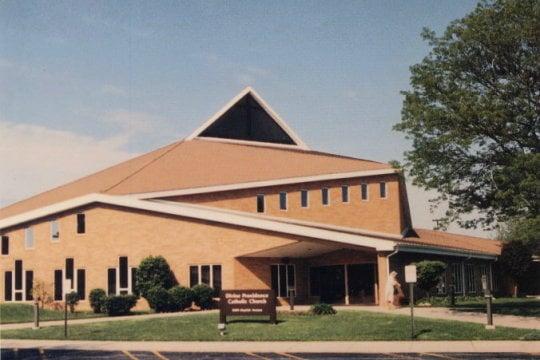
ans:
(375, 213)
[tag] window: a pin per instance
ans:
(382, 190)
(364, 191)
(260, 203)
(134, 280)
(111, 281)
(471, 278)
(81, 223)
(8, 286)
(304, 198)
(70, 268)
(123, 272)
(205, 274)
(325, 198)
(55, 233)
(81, 283)
(29, 284)
(283, 201)
(29, 238)
(5, 245)
(283, 278)
(58, 295)
(457, 278)
(345, 194)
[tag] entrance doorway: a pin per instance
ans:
(328, 283)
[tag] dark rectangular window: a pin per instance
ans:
(382, 190)
(283, 201)
(260, 203)
(29, 279)
(70, 271)
(216, 278)
(81, 283)
(325, 197)
(5, 245)
(193, 276)
(364, 191)
(18, 274)
(81, 223)
(134, 280)
(282, 280)
(58, 285)
(345, 193)
(274, 278)
(8, 286)
(18, 296)
(111, 281)
(205, 274)
(55, 232)
(304, 200)
(282, 277)
(123, 272)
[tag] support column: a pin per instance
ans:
(346, 284)
(382, 271)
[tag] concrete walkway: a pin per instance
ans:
(530, 347)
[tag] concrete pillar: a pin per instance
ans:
(382, 272)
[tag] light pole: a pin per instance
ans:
(410, 278)
(67, 285)
(489, 298)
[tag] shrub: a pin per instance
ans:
(72, 299)
(97, 299)
(119, 304)
(203, 296)
(428, 274)
(322, 309)
(153, 271)
(180, 297)
(159, 299)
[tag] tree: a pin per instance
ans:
(473, 114)
(72, 300)
(154, 271)
(428, 274)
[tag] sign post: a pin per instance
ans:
(246, 303)
(67, 285)
(410, 278)
(489, 297)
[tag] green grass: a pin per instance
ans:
(346, 325)
(19, 313)
(503, 306)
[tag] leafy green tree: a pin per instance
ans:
(428, 274)
(473, 114)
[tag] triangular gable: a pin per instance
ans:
(247, 118)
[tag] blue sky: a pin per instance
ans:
(96, 82)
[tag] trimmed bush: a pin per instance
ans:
(119, 304)
(428, 274)
(153, 271)
(203, 296)
(180, 297)
(159, 299)
(97, 299)
(72, 299)
(322, 309)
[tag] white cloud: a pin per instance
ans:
(132, 122)
(112, 90)
(36, 158)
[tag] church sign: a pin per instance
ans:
(247, 303)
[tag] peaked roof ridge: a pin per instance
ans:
(287, 148)
(88, 176)
(297, 141)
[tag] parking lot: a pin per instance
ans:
(40, 354)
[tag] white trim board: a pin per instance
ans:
(204, 214)
(248, 90)
(264, 183)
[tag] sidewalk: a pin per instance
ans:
(287, 346)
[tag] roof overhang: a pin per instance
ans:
(265, 183)
(207, 214)
(425, 249)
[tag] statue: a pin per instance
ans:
(393, 292)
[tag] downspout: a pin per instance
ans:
(388, 261)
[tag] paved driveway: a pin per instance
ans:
(40, 354)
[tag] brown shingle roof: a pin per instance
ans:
(197, 163)
(426, 237)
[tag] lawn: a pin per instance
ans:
(346, 325)
(19, 313)
(504, 306)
